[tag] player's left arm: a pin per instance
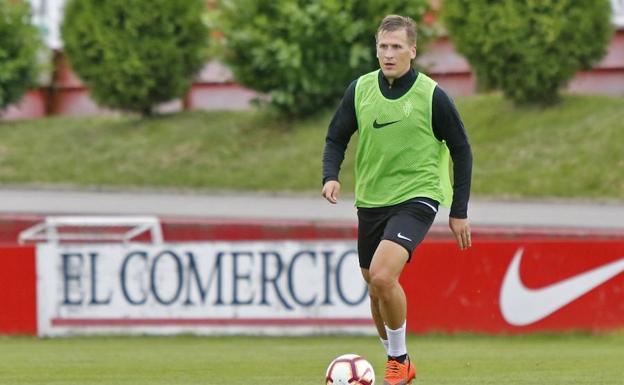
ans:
(447, 126)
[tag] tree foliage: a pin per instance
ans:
(529, 49)
(135, 54)
(19, 44)
(304, 53)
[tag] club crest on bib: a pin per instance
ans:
(407, 108)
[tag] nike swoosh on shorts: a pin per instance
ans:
(403, 237)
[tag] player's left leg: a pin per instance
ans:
(385, 269)
(403, 232)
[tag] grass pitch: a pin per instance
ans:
(461, 359)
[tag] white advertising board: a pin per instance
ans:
(280, 287)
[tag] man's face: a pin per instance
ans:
(394, 53)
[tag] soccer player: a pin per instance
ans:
(407, 128)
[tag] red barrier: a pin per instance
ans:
(18, 290)
(510, 281)
(560, 285)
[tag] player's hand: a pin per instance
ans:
(331, 190)
(461, 231)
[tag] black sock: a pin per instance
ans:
(401, 359)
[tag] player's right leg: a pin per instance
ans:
(375, 311)
(371, 225)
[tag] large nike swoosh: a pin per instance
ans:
(523, 306)
(380, 125)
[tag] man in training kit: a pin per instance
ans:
(407, 128)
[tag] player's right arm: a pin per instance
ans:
(341, 128)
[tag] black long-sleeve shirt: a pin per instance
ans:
(446, 123)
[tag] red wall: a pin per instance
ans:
(18, 290)
(448, 290)
(451, 291)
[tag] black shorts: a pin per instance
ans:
(406, 224)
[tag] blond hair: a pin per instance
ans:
(392, 23)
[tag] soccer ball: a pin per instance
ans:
(350, 369)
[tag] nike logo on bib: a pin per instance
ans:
(380, 125)
(522, 306)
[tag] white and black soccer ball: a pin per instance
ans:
(350, 369)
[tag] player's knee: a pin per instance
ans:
(380, 284)
(372, 293)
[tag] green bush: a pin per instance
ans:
(135, 54)
(529, 49)
(304, 53)
(19, 44)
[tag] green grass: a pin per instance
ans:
(457, 360)
(573, 150)
(193, 150)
